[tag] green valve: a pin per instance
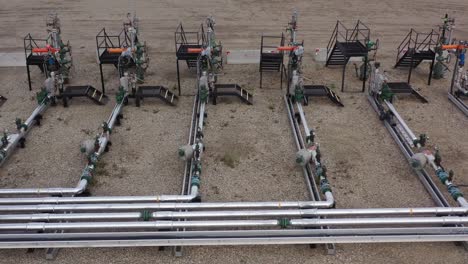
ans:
(284, 222)
(204, 94)
(455, 192)
(386, 93)
(146, 215)
(196, 181)
(41, 96)
(120, 96)
(325, 186)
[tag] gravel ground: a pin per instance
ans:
(366, 166)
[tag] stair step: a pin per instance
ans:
(234, 90)
(321, 90)
(161, 92)
(85, 91)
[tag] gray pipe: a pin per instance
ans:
(448, 220)
(14, 139)
(163, 206)
(137, 225)
(439, 211)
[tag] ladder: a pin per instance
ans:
(88, 91)
(321, 90)
(232, 90)
(161, 92)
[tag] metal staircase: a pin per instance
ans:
(320, 91)
(347, 43)
(405, 88)
(415, 48)
(271, 60)
(88, 91)
(232, 90)
(160, 92)
(185, 40)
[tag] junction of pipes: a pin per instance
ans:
(71, 216)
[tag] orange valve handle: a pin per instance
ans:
(458, 47)
(286, 48)
(115, 50)
(44, 50)
(194, 50)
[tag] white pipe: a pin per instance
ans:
(438, 211)
(317, 222)
(401, 121)
(448, 220)
(163, 206)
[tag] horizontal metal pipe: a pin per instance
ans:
(137, 225)
(447, 220)
(317, 222)
(82, 184)
(401, 120)
(71, 216)
(232, 241)
(161, 206)
(250, 233)
(439, 211)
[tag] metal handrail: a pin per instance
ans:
(417, 41)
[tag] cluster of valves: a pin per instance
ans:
(311, 155)
(443, 56)
(296, 85)
(432, 158)
(214, 50)
(136, 52)
(59, 57)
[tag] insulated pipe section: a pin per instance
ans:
(163, 206)
(402, 122)
(282, 223)
(23, 130)
(146, 215)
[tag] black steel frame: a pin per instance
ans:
(417, 41)
(182, 41)
(360, 33)
(266, 50)
(105, 41)
(29, 44)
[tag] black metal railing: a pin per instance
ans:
(417, 41)
(30, 43)
(360, 33)
(272, 45)
(105, 41)
(182, 37)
